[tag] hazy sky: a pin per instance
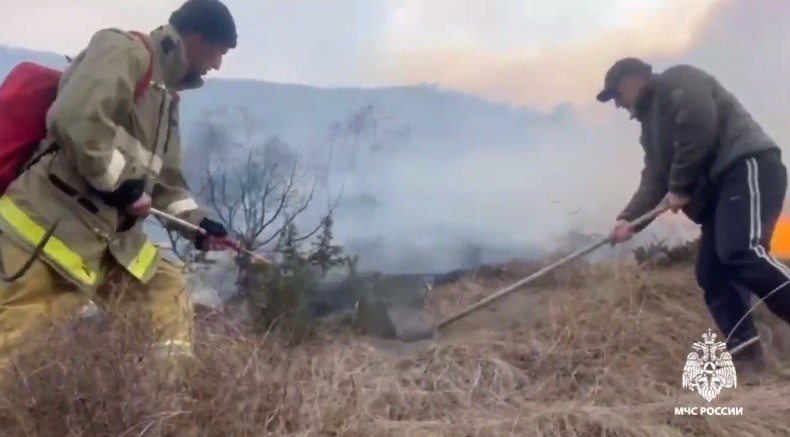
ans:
(526, 52)
(488, 47)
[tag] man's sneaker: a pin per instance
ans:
(751, 372)
(751, 367)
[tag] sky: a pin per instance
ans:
(525, 52)
(468, 44)
(540, 54)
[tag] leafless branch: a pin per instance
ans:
(259, 197)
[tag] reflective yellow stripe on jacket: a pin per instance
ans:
(143, 261)
(54, 249)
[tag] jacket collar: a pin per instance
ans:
(643, 100)
(172, 67)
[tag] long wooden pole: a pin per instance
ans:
(578, 254)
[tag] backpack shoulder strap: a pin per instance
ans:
(145, 82)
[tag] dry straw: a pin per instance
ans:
(590, 351)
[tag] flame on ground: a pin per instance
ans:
(780, 241)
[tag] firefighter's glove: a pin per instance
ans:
(215, 237)
(125, 195)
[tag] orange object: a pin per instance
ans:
(780, 240)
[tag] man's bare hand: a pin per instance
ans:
(141, 207)
(676, 202)
(622, 231)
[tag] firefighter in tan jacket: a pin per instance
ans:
(112, 161)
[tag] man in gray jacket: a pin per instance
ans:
(706, 156)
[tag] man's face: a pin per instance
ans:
(627, 91)
(203, 55)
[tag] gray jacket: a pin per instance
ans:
(693, 131)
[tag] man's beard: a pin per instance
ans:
(191, 76)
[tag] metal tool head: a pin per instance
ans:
(392, 306)
(392, 321)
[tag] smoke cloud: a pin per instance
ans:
(576, 175)
(577, 167)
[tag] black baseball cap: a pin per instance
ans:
(210, 18)
(617, 72)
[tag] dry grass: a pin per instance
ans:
(599, 355)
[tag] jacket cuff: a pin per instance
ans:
(625, 214)
(126, 194)
(183, 207)
(195, 217)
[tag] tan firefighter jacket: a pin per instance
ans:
(104, 139)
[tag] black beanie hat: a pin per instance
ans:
(210, 18)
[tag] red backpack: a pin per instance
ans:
(25, 97)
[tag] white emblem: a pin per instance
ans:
(709, 373)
